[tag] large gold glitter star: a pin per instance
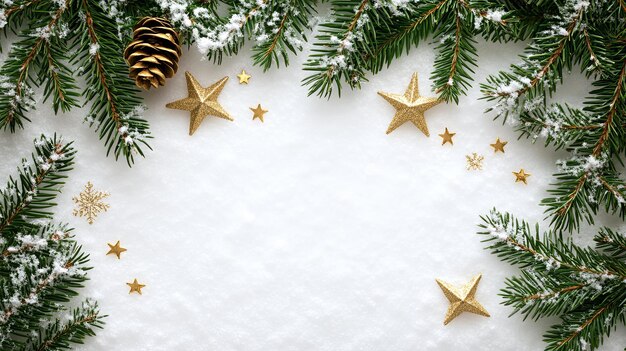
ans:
(447, 137)
(409, 107)
(90, 203)
(258, 112)
(498, 145)
(201, 102)
(462, 299)
(521, 176)
(243, 77)
(116, 249)
(135, 287)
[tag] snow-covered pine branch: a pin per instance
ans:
(584, 287)
(581, 32)
(41, 266)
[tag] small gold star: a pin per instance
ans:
(201, 102)
(447, 137)
(498, 145)
(116, 249)
(462, 299)
(409, 107)
(135, 287)
(474, 162)
(258, 112)
(521, 176)
(243, 77)
(90, 203)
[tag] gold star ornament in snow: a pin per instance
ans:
(521, 176)
(115, 249)
(135, 287)
(258, 112)
(409, 106)
(498, 145)
(447, 137)
(90, 203)
(201, 102)
(462, 299)
(243, 77)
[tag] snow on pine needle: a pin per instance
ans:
(41, 265)
(590, 179)
(584, 287)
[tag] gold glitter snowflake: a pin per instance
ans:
(474, 162)
(90, 203)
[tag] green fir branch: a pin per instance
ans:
(285, 33)
(16, 74)
(338, 53)
(408, 31)
(17, 12)
(456, 53)
(611, 242)
(589, 180)
(29, 197)
(582, 286)
(228, 33)
(115, 105)
(61, 335)
(41, 266)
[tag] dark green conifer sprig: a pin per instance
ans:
(364, 37)
(284, 34)
(582, 286)
(340, 47)
(456, 52)
(115, 105)
(276, 28)
(36, 59)
(41, 266)
(61, 335)
(611, 242)
(55, 36)
(590, 34)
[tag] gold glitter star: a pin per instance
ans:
(521, 176)
(462, 299)
(90, 203)
(474, 162)
(409, 107)
(135, 287)
(116, 249)
(258, 112)
(498, 145)
(243, 77)
(201, 102)
(447, 137)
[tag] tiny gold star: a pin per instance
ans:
(258, 112)
(462, 299)
(521, 176)
(498, 145)
(447, 137)
(135, 287)
(409, 107)
(474, 162)
(116, 249)
(243, 77)
(201, 102)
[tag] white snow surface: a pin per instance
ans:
(312, 231)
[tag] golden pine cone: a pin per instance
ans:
(154, 52)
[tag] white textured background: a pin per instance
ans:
(311, 231)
